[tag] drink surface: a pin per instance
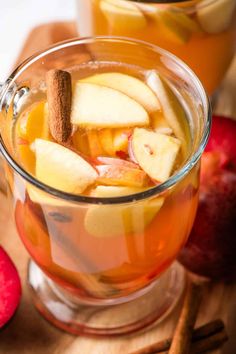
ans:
(126, 129)
(127, 132)
(201, 32)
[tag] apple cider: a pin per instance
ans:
(200, 32)
(104, 132)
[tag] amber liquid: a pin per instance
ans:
(104, 266)
(208, 54)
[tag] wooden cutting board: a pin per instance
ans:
(29, 333)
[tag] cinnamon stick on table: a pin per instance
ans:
(207, 337)
(183, 334)
(59, 97)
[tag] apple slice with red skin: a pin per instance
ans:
(115, 175)
(210, 250)
(10, 288)
(102, 160)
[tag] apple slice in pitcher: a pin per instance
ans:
(159, 123)
(155, 153)
(106, 141)
(103, 160)
(123, 14)
(61, 168)
(114, 191)
(175, 25)
(94, 143)
(216, 16)
(171, 108)
(120, 220)
(130, 86)
(115, 175)
(97, 106)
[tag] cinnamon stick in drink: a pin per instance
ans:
(59, 97)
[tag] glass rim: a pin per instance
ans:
(192, 3)
(160, 188)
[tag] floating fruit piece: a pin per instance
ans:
(101, 160)
(120, 220)
(95, 147)
(121, 139)
(33, 124)
(80, 141)
(156, 153)
(159, 124)
(114, 191)
(173, 111)
(130, 86)
(178, 26)
(97, 106)
(40, 197)
(123, 14)
(106, 140)
(25, 155)
(62, 168)
(215, 16)
(10, 288)
(114, 175)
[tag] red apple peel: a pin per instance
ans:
(10, 288)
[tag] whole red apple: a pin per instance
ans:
(211, 248)
(10, 288)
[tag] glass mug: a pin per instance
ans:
(123, 282)
(200, 32)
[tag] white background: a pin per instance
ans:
(18, 17)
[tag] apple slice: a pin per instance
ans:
(130, 86)
(159, 124)
(114, 191)
(177, 26)
(32, 123)
(114, 175)
(80, 141)
(97, 106)
(173, 112)
(216, 16)
(156, 153)
(102, 160)
(123, 15)
(121, 220)
(121, 140)
(95, 147)
(62, 168)
(43, 198)
(106, 140)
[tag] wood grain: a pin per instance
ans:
(29, 333)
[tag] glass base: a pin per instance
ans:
(78, 317)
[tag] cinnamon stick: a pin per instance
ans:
(183, 334)
(207, 337)
(59, 97)
(210, 343)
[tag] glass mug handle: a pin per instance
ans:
(3, 181)
(14, 96)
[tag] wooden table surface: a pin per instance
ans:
(29, 333)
